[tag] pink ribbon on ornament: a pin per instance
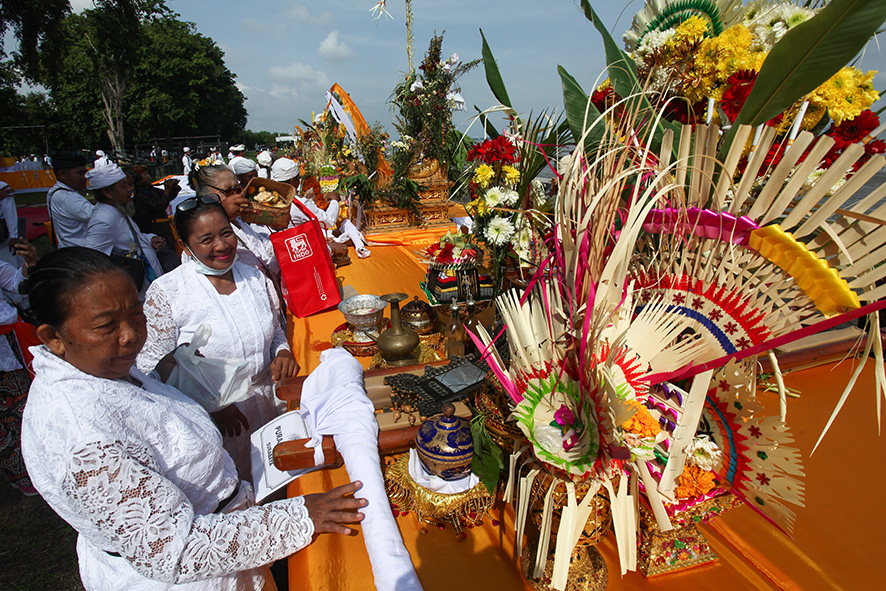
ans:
(704, 223)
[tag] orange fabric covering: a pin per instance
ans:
(838, 537)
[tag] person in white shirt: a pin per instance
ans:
(187, 162)
(69, 211)
(101, 159)
(10, 220)
(265, 160)
(136, 467)
(235, 155)
(215, 156)
(111, 229)
(285, 170)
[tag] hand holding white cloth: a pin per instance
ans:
(334, 402)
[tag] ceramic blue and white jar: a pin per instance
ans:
(445, 446)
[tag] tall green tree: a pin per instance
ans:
(35, 24)
(172, 82)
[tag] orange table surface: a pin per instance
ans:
(837, 541)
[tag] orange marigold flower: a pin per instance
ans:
(694, 482)
(641, 423)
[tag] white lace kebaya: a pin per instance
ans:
(139, 472)
(244, 328)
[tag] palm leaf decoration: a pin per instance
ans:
(806, 57)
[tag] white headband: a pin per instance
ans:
(105, 176)
(284, 169)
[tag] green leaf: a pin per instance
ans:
(626, 82)
(807, 56)
(493, 76)
(487, 462)
(622, 69)
(579, 109)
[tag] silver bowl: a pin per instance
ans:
(363, 313)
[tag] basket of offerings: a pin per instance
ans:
(269, 203)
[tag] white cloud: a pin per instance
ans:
(79, 5)
(299, 74)
(333, 48)
(303, 15)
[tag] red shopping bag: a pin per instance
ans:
(309, 283)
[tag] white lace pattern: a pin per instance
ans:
(139, 472)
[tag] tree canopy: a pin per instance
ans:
(125, 71)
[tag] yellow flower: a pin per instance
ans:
(846, 94)
(477, 207)
(512, 175)
(690, 31)
(483, 175)
(717, 59)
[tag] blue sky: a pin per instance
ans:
(286, 53)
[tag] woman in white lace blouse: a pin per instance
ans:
(136, 467)
(235, 299)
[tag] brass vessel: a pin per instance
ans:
(398, 343)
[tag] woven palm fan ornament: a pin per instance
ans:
(663, 269)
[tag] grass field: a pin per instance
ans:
(37, 549)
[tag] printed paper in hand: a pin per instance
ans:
(265, 476)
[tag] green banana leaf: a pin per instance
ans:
(580, 110)
(493, 75)
(807, 56)
(625, 80)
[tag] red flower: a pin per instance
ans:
(857, 129)
(495, 150)
(740, 85)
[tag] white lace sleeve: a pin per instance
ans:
(162, 330)
(145, 518)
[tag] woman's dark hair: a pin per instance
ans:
(59, 275)
(184, 219)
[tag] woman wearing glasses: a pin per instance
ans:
(255, 247)
(213, 287)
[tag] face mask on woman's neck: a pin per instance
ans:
(203, 269)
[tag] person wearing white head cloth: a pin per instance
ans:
(244, 168)
(265, 160)
(111, 229)
(101, 159)
(286, 171)
(235, 152)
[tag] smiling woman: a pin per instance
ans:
(136, 467)
(236, 300)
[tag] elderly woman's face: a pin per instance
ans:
(105, 329)
(212, 240)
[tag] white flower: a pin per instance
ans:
(458, 101)
(494, 197)
(499, 231)
(417, 85)
(451, 62)
(769, 22)
(704, 453)
(510, 197)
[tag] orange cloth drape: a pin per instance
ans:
(838, 538)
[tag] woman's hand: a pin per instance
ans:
(158, 242)
(284, 366)
(330, 509)
(229, 419)
(234, 205)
